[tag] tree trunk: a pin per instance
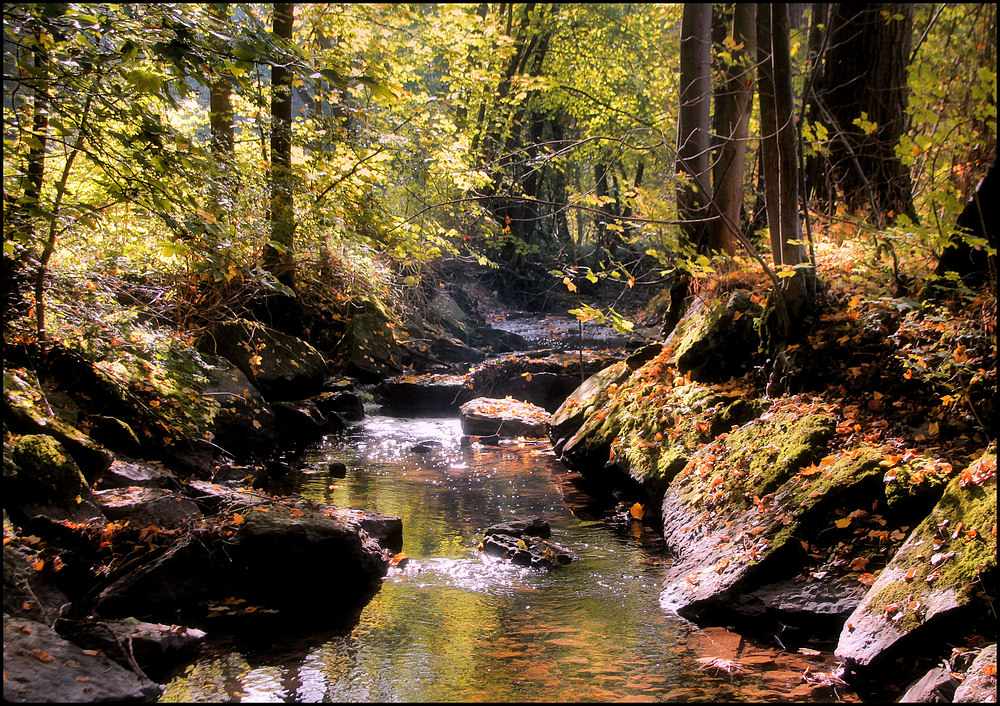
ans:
(732, 107)
(220, 109)
(694, 120)
(862, 95)
(780, 165)
(279, 253)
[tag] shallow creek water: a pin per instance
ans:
(452, 625)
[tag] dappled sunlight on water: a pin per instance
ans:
(453, 625)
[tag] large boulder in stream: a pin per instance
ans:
(289, 555)
(431, 393)
(487, 416)
(281, 366)
(543, 378)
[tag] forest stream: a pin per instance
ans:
(451, 624)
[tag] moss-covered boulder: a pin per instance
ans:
(570, 415)
(368, 349)
(281, 366)
(718, 341)
(26, 412)
(641, 429)
(47, 473)
(934, 584)
(741, 500)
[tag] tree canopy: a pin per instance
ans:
(528, 138)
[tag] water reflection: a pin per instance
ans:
(453, 625)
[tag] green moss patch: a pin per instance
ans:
(48, 474)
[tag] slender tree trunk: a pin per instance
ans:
(220, 109)
(694, 120)
(780, 164)
(279, 253)
(40, 132)
(733, 107)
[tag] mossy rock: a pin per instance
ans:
(722, 516)
(47, 475)
(368, 349)
(281, 366)
(934, 581)
(914, 485)
(719, 342)
(647, 425)
(23, 400)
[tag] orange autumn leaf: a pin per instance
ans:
(989, 670)
(237, 518)
(38, 563)
(637, 511)
(42, 655)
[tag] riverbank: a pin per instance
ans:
(795, 505)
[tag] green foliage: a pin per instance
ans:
(953, 115)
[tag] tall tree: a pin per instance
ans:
(778, 140)
(733, 104)
(694, 120)
(220, 109)
(279, 253)
(860, 94)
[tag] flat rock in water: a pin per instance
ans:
(154, 647)
(432, 393)
(41, 666)
(485, 416)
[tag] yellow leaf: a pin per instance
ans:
(569, 284)
(843, 522)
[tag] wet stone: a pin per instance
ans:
(525, 543)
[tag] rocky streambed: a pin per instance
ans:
(141, 486)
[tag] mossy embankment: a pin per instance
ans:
(798, 515)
